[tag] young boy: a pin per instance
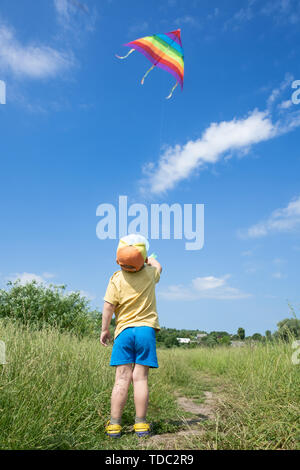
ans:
(131, 296)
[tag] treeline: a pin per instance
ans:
(288, 329)
(38, 305)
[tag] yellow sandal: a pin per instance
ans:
(113, 430)
(142, 429)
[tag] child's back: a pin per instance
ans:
(133, 295)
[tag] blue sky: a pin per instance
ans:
(79, 130)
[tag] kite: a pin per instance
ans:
(164, 51)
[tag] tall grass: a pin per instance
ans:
(55, 393)
(259, 390)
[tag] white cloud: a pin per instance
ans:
(87, 294)
(241, 16)
(62, 8)
(277, 275)
(212, 15)
(247, 253)
(281, 220)
(209, 287)
(25, 277)
(65, 8)
(187, 19)
(140, 28)
(74, 15)
(179, 162)
(285, 104)
(281, 12)
(220, 140)
(34, 61)
(47, 275)
(278, 91)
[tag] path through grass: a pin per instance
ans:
(55, 394)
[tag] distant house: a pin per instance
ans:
(183, 340)
(200, 336)
(237, 344)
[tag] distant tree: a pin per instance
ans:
(288, 328)
(170, 342)
(235, 337)
(219, 334)
(225, 340)
(257, 337)
(211, 340)
(241, 333)
(268, 335)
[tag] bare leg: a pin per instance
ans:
(141, 392)
(120, 390)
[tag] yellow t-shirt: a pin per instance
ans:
(133, 294)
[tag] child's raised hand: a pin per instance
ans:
(104, 337)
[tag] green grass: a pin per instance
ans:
(55, 394)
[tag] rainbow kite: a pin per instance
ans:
(164, 51)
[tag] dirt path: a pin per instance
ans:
(179, 440)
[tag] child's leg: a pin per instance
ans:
(120, 390)
(141, 392)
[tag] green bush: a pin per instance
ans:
(37, 305)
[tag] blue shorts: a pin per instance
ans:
(136, 345)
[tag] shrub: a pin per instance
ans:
(37, 305)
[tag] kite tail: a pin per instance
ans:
(169, 96)
(148, 71)
(125, 56)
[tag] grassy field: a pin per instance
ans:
(55, 394)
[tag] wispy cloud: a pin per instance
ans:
(281, 220)
(73, 13)
(209, 287)
(242, 15)
(277, 92)
(282, 11)
(187, 20)
(278, 275)
(214, 14)
(179, 162)
(279, 11)
(25, 277)
(33, 60)
(139, 28)
(44, 278)
(286, 104)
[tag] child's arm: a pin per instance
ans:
(153, 262)
(108, 310)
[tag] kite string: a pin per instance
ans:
(162, 123)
